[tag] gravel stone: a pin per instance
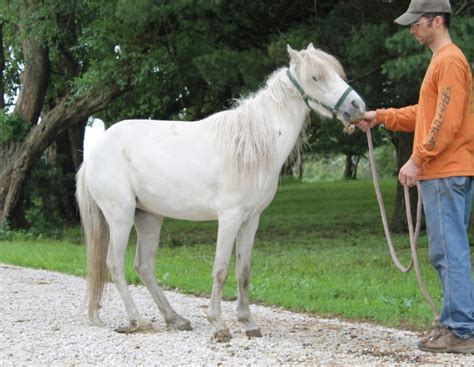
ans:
(43, 322)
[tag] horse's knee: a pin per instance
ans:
(243, 270)
(220, 276)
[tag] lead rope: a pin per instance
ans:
(413, 236)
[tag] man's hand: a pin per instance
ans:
(368, 122)
(408, 174)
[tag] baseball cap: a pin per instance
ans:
(417, 8)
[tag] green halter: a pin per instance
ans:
(308, 98)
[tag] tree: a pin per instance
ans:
(41, 48)
(2, 68)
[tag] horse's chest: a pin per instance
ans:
(263, 196)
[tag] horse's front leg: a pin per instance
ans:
(245, 240)
(228, 227)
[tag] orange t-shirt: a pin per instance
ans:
(443, 119)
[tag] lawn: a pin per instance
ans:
(319, 249)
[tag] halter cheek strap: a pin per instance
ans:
(308, 98)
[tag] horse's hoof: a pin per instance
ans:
(127, 329)
(222, 336)
(97, 322)
(94, 320)
(131, 329)
(185, 326)
(182, 325)
(254, 333)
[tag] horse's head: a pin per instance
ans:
(320, 78)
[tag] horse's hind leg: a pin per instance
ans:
(245, 240)
(120, 226)
(148, 229)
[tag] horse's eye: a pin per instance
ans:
(315, 78)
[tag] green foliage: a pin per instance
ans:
(43, 217)
(462, 30)
(326, 136)
(6, 232)
(136, 15)
(413, 59)
(47, 193)
(254, 64)
(386, 161)
(13, 128)
(330, 167)
(211, 65)
(366, 53)
(319, 168)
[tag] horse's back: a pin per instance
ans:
(157, 164)
(151, 144)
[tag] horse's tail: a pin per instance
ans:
(96, 233)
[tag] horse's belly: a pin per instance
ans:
(177, 204)
(200, 199)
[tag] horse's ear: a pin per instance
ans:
(294, 55)
(311, 47)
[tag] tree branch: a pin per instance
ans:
(364, 76)
(462, 7)
(64, 115)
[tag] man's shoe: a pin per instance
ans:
(447, 342)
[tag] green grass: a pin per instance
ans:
(319, 249)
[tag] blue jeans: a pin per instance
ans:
(447, 207)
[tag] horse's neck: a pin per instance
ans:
(260, 134)
(287, 123)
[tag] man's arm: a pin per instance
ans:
(397, 119)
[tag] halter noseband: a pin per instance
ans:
(308, 98)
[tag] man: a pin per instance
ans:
(443, 163)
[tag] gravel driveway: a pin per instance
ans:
(42, 322)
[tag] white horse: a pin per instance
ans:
(222, 168)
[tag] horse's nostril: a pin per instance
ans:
(355, 104)
(347, 116)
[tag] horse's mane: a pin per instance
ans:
(245, 132)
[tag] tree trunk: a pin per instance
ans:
(297, 165)
(2, 69)
(34, 85)
(404, 145)
(66, 155)
(35, 77)
(65, 115)
(350, 171)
